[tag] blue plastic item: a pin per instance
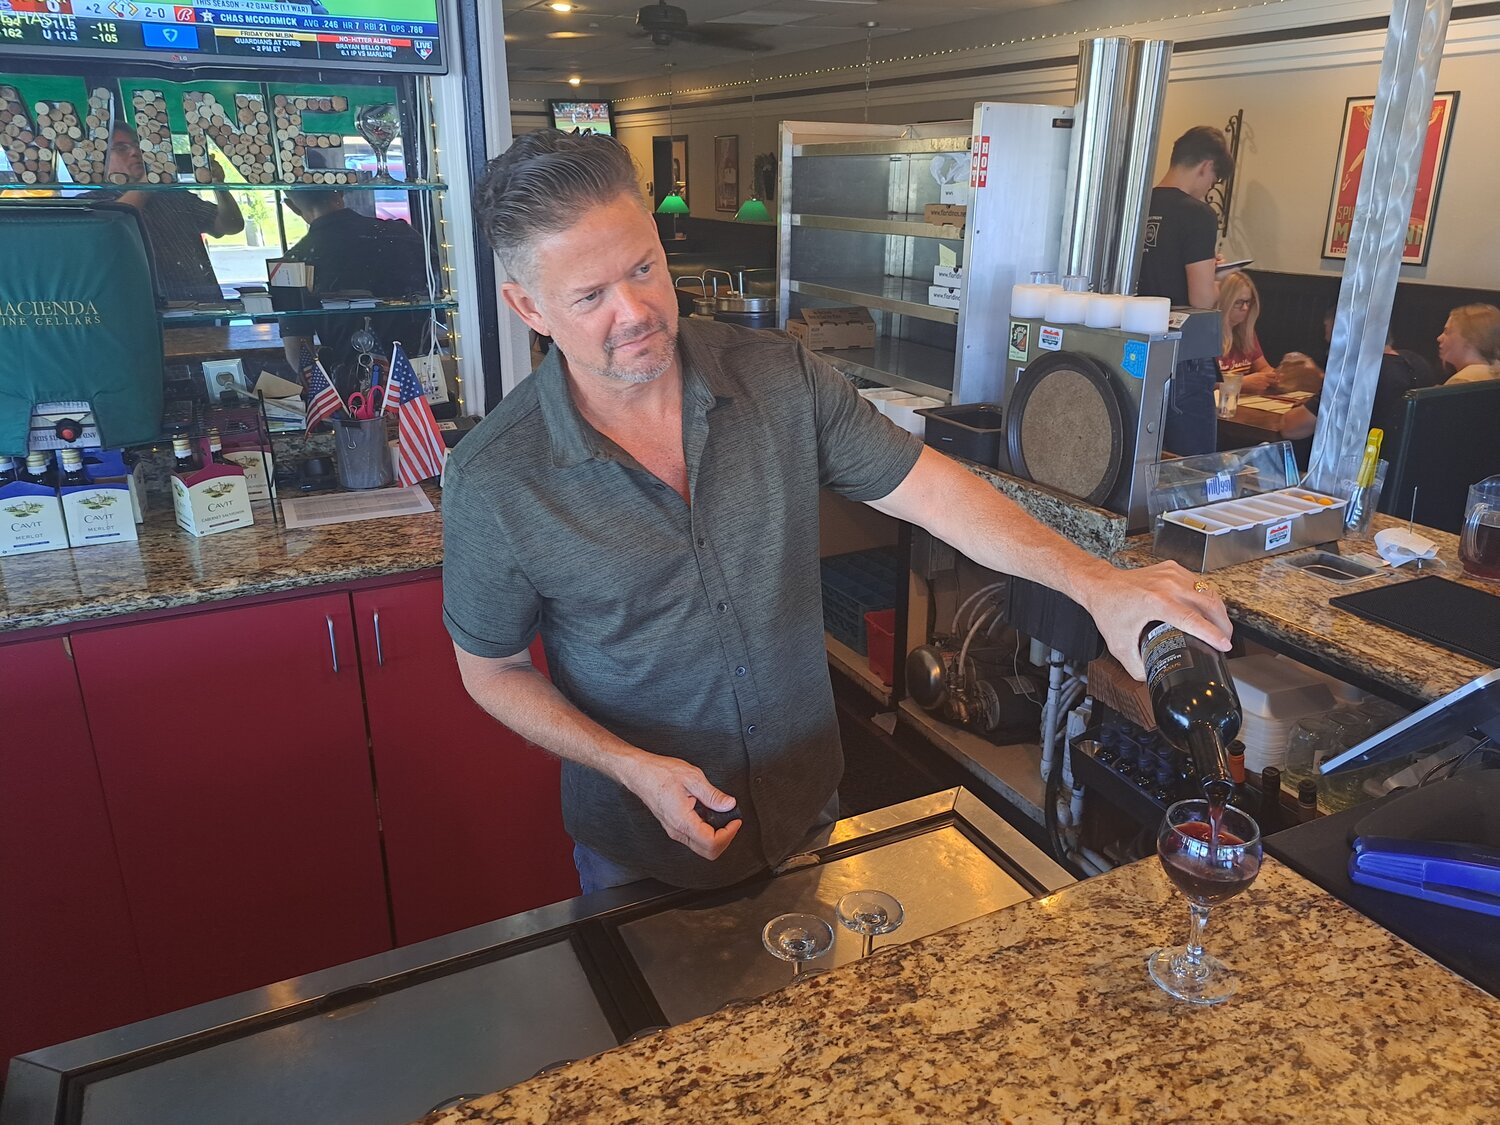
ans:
(1463, 875)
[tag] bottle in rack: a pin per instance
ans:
(38, 469)
(1193, 700)
(8, 474)
(1307, 800)
(183, 460)
(72, 469)
(1270, 800)
(216, 448)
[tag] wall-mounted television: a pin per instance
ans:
(577, 117)
(386, 34)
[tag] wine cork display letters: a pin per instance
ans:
(262, 135)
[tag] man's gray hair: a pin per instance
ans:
(541, 184)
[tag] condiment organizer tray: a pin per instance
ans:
(1251, 527)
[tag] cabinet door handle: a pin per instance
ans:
(379, 651)
(333, 644)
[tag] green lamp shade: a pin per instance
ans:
(674, 204)
(752, 211)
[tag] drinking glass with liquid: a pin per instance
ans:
(1479, 543)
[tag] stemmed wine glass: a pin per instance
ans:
(380, 125)
(1208, 867)
(798, 938)
(869, 913)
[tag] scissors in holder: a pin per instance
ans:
(365, 404)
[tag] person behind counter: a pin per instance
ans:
(1240, 350)
(348, 250)
(647, 502)
(1182, 234)
(176, 221)
(1470, 344)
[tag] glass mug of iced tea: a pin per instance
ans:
(1479, 542)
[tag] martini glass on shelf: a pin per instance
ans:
(798, 938)
(379, 125)
(868, 913)
(1211, 854)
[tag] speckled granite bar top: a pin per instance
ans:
(168, 568)
(1043, 1013)
(1293, 606)
(1094, 529)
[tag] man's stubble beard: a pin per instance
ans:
(644, 375)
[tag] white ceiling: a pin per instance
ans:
(600, 42)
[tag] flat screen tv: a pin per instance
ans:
(578, 117)
(370, 34)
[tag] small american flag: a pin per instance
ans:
(422, 449)
(324, 397)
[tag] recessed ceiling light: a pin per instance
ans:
(575, 81)
(561, 6)
(568, 35)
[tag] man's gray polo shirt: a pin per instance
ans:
(694, 632)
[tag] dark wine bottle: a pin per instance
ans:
(8, 474)
(1109, 744)
(1270, 800)
(1307, 799)
(182, 455)
(216, 448)
(72, 469)
(38, 469)
(1193, 701)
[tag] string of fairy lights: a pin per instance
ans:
(922, 56)
(454, 335)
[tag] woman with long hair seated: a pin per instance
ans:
(1241, 353)
(1470, 344)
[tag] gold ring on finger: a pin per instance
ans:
(1201, 587)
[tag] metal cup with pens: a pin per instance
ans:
(361, 454)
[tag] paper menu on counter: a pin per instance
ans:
(350, 507)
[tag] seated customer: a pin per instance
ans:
(1240, 352)
(1470, 344)
(1400, 371)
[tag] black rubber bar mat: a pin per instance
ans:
(1459, 618)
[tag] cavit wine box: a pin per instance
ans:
(31, 519)
(944, 296)
(212, 500)
(108, 466)
(98, 512)
(260, 472)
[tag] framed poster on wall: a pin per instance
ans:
(1351, 162)
(727, 173)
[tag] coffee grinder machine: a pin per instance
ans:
(1084, 407)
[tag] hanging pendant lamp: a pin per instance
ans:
(672, 203)
(753, 210)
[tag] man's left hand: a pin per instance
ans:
(1124, 602)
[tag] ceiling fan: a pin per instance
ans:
(665, 23)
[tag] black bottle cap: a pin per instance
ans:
(1307, 792)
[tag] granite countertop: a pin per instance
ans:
(1096, 530)
(168, 568)
(1043, 1012)
(1292, 606)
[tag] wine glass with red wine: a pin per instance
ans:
(1212, 852)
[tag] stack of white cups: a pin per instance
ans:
(1073, 304)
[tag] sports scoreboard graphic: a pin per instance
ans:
(401, 34)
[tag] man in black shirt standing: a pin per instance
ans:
(1182, 234)
(350, 251)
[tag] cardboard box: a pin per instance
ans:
(945, 214)
(944, 297)
(98, 512)
(821, 329)
(260, 470)
(950, 276)
(212, 500)
(1112, 686)
(31, 519)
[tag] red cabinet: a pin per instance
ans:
(470, 813)
(68, 962)
(232, 749)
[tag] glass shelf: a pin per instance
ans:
(899, 225)
(187, 319)
(364, 185)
